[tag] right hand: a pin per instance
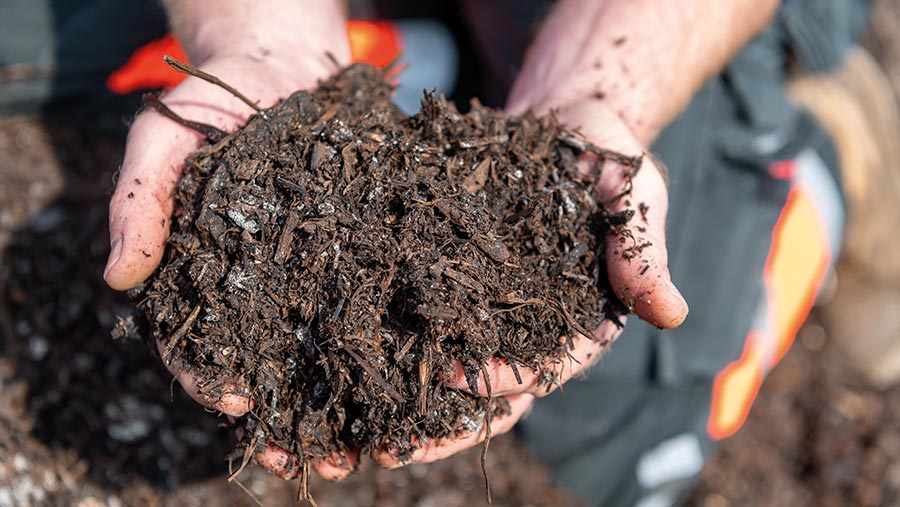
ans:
(141, 207)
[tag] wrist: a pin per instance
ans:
(642, 59)
(307, 33)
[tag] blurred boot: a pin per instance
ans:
(858, 106)
(863, 323)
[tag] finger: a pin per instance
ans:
(441, 448)
(233, 401)
(502, 377)
(637, 258)
(283, 464)
(636, 255)
(141, 205)
(337, 468)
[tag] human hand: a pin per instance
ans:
(142, 204)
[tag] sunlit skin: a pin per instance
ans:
(643, 57)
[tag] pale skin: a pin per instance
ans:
(646, 58)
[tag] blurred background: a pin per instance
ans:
(86, 420)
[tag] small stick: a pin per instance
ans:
(515, 369)
(424, 377)
(249, 451)
(303, 491)
(583, 145)
(249, 493)
(209, 78)
(213, 134)
(176, 337)
(487, 380)
(333, 59)
(375, 375)
(487, 431)
(484, 451)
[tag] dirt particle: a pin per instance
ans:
(643, 208)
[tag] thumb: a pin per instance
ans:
(636, 254)
(141, 206)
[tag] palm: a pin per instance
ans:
(142, 205)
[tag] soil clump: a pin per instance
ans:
(331, 260)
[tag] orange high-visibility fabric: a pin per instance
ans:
(146, 70)
(795, 269)
(376, 43)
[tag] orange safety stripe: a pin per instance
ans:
(798, 268)
(734, 390)
(795, 269)
(146, 70)
(374, 42)
(377, 43)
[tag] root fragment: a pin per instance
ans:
(190, 70)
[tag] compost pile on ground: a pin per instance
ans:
(334, 257)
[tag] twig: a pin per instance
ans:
(249, 493)
(210, 132)
(249, 451)
(518, 303)
(481, 142)
(182, 330)
(333, 59)
(303, 490)
(209, 78)
(374, 374)
(424, 377)
(484, 451)
(583, 145)
(515, 369)
(487, 380)
(487, 430)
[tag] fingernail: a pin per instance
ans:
(682, 312)
(115, 252)
(675, 292)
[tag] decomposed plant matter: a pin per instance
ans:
(333, 258)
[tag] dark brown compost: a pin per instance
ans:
(333, 257)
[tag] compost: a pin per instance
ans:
(334, 257)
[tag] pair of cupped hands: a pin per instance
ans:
(142, 205)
